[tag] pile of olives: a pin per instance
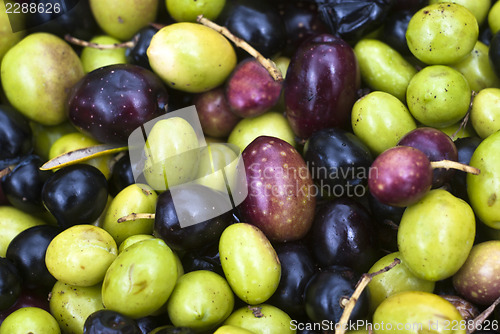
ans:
(323, 150)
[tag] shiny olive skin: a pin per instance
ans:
(416, 307)
(205, 258)
(465, 147)
(396, 280)
(121, 175)
(71, 305)
(137, 55)
(436, 235)
(257, 22)
(110, 322)
(483, 189)
(320, 85)
(395, 30)
(353, 19)
(494, 53)
(27, 251)
(23, 186)
(387, 218)
(437, 146)
(167, 225)
(83, 202)
(325, 291)
(149, 323)
(250, 263)
(112, 101)
(335, 158)
(15, 134)
(302, 21)
(10, 283)
(297, 267)
(343, 234)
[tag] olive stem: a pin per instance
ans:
(135, 216)
(4, 172)
(267, 63)
(483, 316)
(360, 286)
(449, 164)
(81, 42)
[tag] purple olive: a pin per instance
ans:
(400, 176)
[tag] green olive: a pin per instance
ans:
(380, 120)
(93, 58)
(383, 68)
(494, 18)
(80, 255)
(270, 123)
(188, 10)
(132, 240)
(37, 75)
(398, 279)
(261, 319)
(479, 8)
(12, 222)
(485, 112)
(201, 300)
(191, 57)
(30, 320)
(436, 234)
(71, 305)
(230, 329)
(171, 153)
(484, 189)
(442, 33)
(438, 96)
(413, 312)
(249, 262)
(215, 159)
(138, 198)
(476, 68)
(141, 279)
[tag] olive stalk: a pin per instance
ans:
(350, 303)
(267, 63)
(86, 44)
(4, 172)
(477, 322)
(449, 164)
(135, 216)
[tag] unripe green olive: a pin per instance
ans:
(138, 198)
(485, 112)
(380, 120)
(191, 57)
(141, 279)
(30, 320)
(412, 312)
(261, 319)
(442, 33)
(80, 255)
(201, 300)
(71, 305)
(436, 234)
(383, 68)
(12, 222)
(438, 96)
(249, 262)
